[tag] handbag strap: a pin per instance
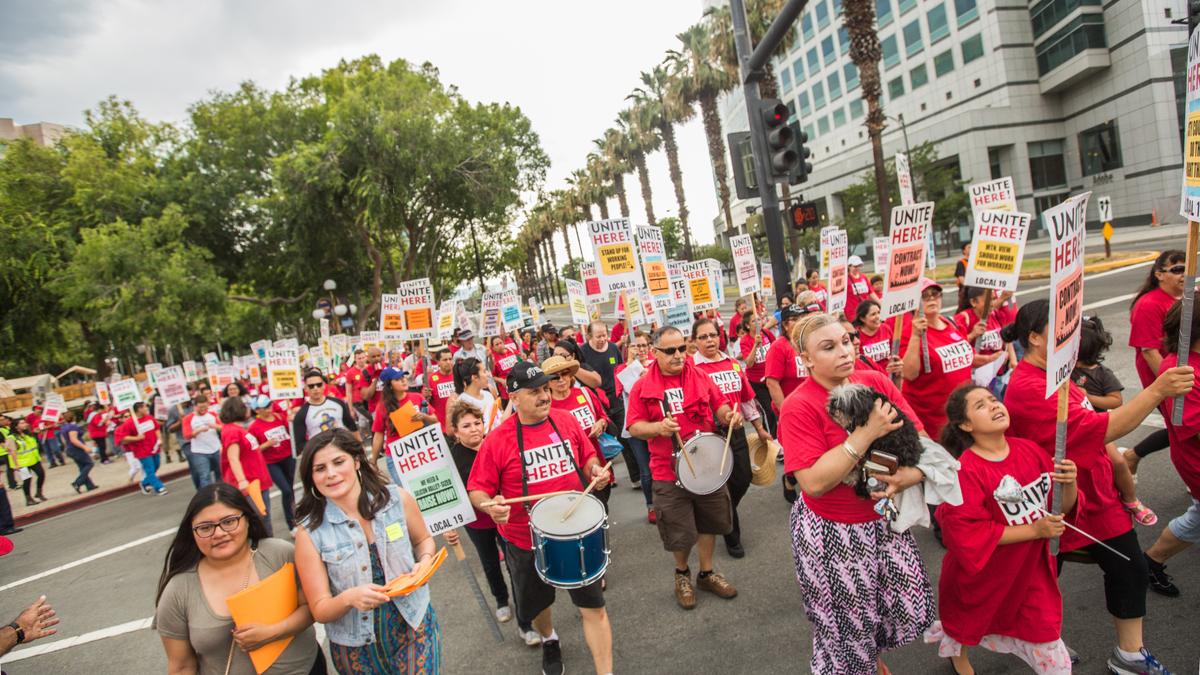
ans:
(245, 583)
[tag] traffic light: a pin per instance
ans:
(803, 166)
(781, 153)
(744, 182)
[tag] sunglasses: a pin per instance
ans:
(314, 385)
(229, 524)
(1178, 269)
(671, 351)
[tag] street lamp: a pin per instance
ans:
(340, 309)
(330, 285)
(318, 314)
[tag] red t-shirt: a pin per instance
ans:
(253, 464)
(989, 342)
(734, 322)
(550, 463)
(97, 424)
(357, 379)
(730, 378)
(585, 407)
(878, 347)
(276, 429)
(502, 365)
(806, 432)
(1185, 442)
(821, 292)
(747, 344)
(1146, 329)
(1006, 313)
(441, 388)
(1033, 418)
(380, 423)
(985, 587)
(857, 289)
(131, 427)
(784, 366)
(950, 357)
(693, 399)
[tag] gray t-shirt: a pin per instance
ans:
(183, 613)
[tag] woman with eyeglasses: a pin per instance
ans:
(220, 549)
(1161, 288)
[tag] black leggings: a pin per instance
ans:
(739, 480)
(1152, 443)
(101, 448)
(41, 480)
(319, 667)
(1125, 583)
(763, 396)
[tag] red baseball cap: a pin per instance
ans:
(6, 546)
(927, 283)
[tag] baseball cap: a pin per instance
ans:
(390, 374)
(525, 375)
(854, 260)
(6, 546)
(466, 334)
(261, 401)
(549, 328)
(926, 282)
(797, 311)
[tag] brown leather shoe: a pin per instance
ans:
(685, 593)
(717, 585)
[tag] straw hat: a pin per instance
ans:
(762, 460)
(558, 365)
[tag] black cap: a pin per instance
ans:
(549, 328)
(525, 375)
(797, 311)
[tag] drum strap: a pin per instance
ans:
(521, 458)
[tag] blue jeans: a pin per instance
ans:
(205, 469)
(642, 452)
(150, 466)
(84, 461)
(54, 450)
(283, 475)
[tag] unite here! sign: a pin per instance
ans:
(745, 265)
(700, 286)
(416, 302)
(1189, 206)
(1065, 223)
(993, 195)
(839, 251)
(654, 265)
(906, 258)
(616, 259)
(577, 300)
(997, 249)
(283, 374)
(422, 460)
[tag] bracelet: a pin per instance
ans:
(850, 451)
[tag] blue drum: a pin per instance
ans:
(570, 553)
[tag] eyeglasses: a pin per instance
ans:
(707, 336)
(314, 385)
(229, 524)
(931, 295)
(1178, 269)
(671, 351)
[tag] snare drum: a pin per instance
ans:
(572, 553)
(706, 452)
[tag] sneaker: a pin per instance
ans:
(685, 593)
(531, 637)
(1147, 665)
(161, 491)
(552, 663)
(717, 585)
(504, 614)
(734, 547)
(651, 515)
(146, 489)
(1160, 581)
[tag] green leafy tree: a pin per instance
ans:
(672, 239)
(716, 252)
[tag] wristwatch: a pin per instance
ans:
(20, 632)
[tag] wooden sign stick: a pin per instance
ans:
(1185, 311)
(1060, 452)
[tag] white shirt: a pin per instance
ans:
(208, 441)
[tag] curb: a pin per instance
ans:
(91, 498)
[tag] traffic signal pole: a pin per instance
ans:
(751, 60)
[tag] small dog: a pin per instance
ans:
(850, 406)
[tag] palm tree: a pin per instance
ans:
(640, 140)
(598, 182)
(759, 15)
(660, 107)
(614, 151)
(858, 16)
(702, 78)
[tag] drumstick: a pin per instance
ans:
(603, 470)
(679, 440)
(725, 454)
(526, 498)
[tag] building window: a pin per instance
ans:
(935, 19)
(906, 5)
(850, 72)
(1048, 202)
(943, 63)
(785, 79)
(918, 77)
(891, 55)
(839, 117)
(856, 109)
(994, 163)
(966, 11)
(883, 12)
(1085, 31)
(1046, 165)
(837, 7)
(1100, 149)
(818, 92)
(798, 71)
(972, 48)
(843, 41)
(814, 63)
(835, 86)
(805, 107)
(810, 131)
(822, 14)
(912, 38)
(827, 51)
(823, 125)
(895, 88)
(1047, 13)
(791, 106)
(806, 26)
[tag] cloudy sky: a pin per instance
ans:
(567, 64)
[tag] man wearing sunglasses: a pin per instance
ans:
(685, 520)
(320, 412)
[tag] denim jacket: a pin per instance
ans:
(343, 548)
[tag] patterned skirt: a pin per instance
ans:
(864, 587)
(397, 649)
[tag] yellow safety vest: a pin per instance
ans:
(26, 454)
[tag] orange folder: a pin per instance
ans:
(269, 601)
(407, 583)
(402, 419)
(254, 492)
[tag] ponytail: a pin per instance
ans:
(954, 439)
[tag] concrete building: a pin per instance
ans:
(42, 133)
(1062, 95)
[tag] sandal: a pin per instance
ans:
(1140, 512)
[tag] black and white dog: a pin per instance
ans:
(850, 407)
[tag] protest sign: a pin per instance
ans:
(823, 251)
(260, 348)
(680, 293)
(768, 280)
(416, 302)
(489, 308)
(745, 265)
(1065, 223)
(422, 460)
(125, 393)
(189, 371)
(510, 310)
(700, 288)
(577, 302)
(340, 344)
(368, 339)
(616, 259)
(633, 308)
(286, 343)
(462, 321)
(210, 360)
(53, 408)
(446, 314)
(283, 374)
(997, 248)
(839, 254)
(1189, 206)
(654, 265)
(391, 315)
(147, 388)
(102, 394)
(717, 274)
(591, 282)
(324, 333)
(152, 370)
(904, 177)
(880, 246)
(993, 195)
(172, 385)
(909, 234)
(225, 375)
(535, 312)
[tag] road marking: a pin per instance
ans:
(1110, 301)
(1092, 277)
(67, 643)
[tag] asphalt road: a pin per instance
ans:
(113, 553)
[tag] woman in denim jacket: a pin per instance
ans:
(358, 533)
